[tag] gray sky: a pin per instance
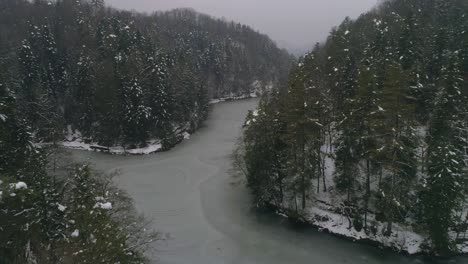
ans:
(293, 24)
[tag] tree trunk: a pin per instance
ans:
(349, 194)
(303, 191)
(318, 174)
(366, 207)
(465, 226)
(388, 232)
(323, 174)
(280, 179)
(295, 201)
(281, 191)
(380, 176)
(303, 159)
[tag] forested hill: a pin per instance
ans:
(122, 78)
(372, 128)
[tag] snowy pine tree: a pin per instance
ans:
(443, 192)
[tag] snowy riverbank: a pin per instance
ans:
(325, 218)
(233, 98)
(326, 211)
(74, 140)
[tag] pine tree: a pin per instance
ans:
(443, 188)
(346, 146)
(265, 154)
(367, 115)
(24, 202)
(159, 97)
(398, 141)
(136, 115)
(30, 85)
(298, 135)
(82, 95)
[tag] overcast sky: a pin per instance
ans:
(293, 24)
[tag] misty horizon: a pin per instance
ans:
(295, 25)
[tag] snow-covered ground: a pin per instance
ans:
(153, 146)
(74, 140)
(233, 98)
(402, 239)
(323, 213)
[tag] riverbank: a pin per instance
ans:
(74, 139)
(325, 219)
(234, 98)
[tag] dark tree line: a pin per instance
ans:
(384, 102)
(122, 78)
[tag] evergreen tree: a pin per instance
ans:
(265, 156)
(398, 152)
(93, 235)
(135, 113)
(443, 187)
(298, 134)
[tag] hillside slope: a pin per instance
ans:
(123, 78)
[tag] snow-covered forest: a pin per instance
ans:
(82, 72)
(122, 78)
(369, 138)
(364, 137)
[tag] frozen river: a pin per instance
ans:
(205, 210)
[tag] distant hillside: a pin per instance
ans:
(122, 77)
(231, 56)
